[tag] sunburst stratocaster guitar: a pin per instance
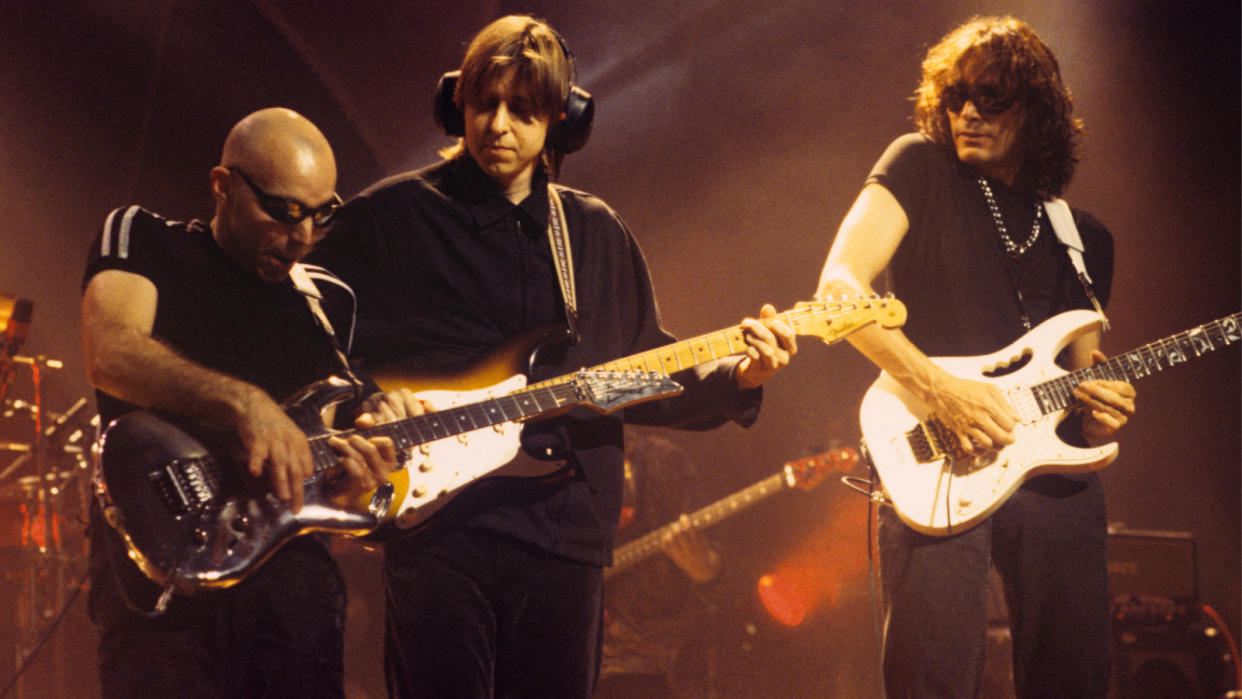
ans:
(491, 452)
(802, 473)
(192, 519)
(938, 489)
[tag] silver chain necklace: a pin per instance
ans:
(1012, 249)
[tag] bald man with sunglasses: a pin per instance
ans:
(212, 322)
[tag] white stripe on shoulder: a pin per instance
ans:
(120, 233)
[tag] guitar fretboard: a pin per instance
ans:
(411, 432)
(648, 544)
(830, 321)
(1058, 393)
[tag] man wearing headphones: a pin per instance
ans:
(499, 594)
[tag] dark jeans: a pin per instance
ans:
(1049, 544)
(475, 614)
(278, 633)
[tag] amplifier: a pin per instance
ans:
(1151, 572)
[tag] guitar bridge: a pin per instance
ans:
(921, 446)
(928, 442)
(189, 485)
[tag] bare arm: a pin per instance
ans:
(123, 359)
(865, 243)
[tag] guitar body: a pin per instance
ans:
(934, 487)
(437, 471)
(190, 515)
(516, 356)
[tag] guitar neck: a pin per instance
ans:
(420, 429)
(650, 543)
(829, 321)
(1144, 361)
(685, 354)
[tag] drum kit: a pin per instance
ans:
(45, 461)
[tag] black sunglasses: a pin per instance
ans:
(290, 211)
(989, 100)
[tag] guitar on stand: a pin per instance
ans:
(938, 489)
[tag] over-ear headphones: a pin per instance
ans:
(567, 135)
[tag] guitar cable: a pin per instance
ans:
(161, 602)
(870, 486)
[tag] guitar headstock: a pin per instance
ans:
(607, 391)
(833, 319)
(811, 471)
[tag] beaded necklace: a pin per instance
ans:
(1012, 249)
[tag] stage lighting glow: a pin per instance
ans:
(812, 577)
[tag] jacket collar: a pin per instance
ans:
(486, 201)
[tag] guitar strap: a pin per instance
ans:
(1067, 232)
(558, 237)
(305, 286)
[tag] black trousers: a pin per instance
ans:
(475, 614)
(278, 633)
(1049, 544)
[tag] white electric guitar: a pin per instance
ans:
(938, 489)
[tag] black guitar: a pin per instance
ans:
(192, 518)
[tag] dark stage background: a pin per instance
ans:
(732, 136)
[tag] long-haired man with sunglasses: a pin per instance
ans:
(204, 320)
(957, 215)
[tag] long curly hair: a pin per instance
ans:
(1010, 49)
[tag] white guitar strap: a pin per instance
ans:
(303, 283)
(558, 237)
(1067, 232)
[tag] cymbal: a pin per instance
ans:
(16, 311)
(14, 325)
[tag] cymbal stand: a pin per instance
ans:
(45, 575)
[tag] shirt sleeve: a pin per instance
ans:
(132, 240)
(904, 169)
